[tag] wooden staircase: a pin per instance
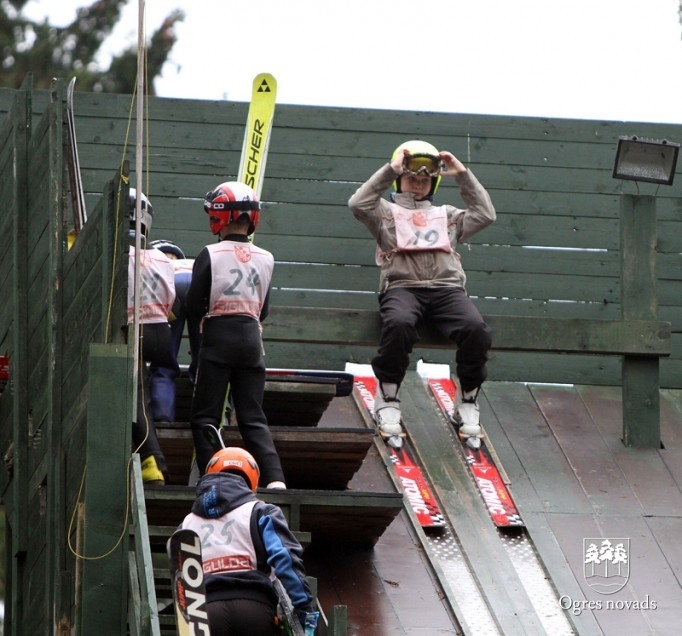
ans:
(319, 461)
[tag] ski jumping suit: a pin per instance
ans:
(163, 378)
(230, 291)
(421, 274)
(157, 293)
(243, 540)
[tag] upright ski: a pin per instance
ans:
(417, 489)
(257, 135)
(490, 483)
(187, 578)
(73, 163)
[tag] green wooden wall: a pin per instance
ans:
(554, 250)
(56, 303)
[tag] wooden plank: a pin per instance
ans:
(649, 574)
(587, 452)
(641, 380)
(542, 479)
(106, 491)
(357, 327)
(643, 468)
(337, 517)
(667, 532)
(320, 458)
(671, 432)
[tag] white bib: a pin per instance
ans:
(241, 274)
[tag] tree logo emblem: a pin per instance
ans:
(606, 564)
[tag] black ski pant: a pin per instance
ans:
(155, 348)
(231, 354)
(241, 616)
(451, 312)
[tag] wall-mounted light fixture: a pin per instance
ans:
(652, 160)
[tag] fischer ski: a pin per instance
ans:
(73, 163)
(417, 489)
(257, 136)
(490, 483)
(187, 578)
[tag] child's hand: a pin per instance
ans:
(453, 165)
(398, 164)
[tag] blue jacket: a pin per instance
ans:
(219, 498)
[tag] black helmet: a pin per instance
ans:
(168, 247)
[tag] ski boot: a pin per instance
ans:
(470, 431)
(387, 415)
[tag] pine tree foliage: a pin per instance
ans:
(48, 51)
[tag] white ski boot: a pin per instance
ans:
(387, 414)
(468, 415)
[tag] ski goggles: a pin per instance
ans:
(423, 164)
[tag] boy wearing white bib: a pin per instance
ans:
(421, 275)
(229, 294)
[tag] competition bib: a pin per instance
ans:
(421, 229)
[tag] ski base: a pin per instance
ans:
(417, 489)
(258, 130)
(187, 578)
(491, 485)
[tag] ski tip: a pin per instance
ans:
(436, 527)
(264, 83)
(396, 441)
(474, 443)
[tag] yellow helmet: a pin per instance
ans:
(422, 159)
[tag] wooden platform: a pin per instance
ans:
(285, 403)
(573, 480)
(323, 458)
(363, 516)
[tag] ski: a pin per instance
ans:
(292, 626)
(187, 579)
(490, 483)
(73, 163)
(417, 489)
(257, 136)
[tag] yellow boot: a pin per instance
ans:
(151, 475)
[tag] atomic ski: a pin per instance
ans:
(75, 179)
(490, 483)
(187, 578)
(257, 135)
(417, 489)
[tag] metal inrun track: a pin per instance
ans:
(492, 577)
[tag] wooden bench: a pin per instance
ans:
(639, 342)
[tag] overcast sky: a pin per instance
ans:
(589, 59)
